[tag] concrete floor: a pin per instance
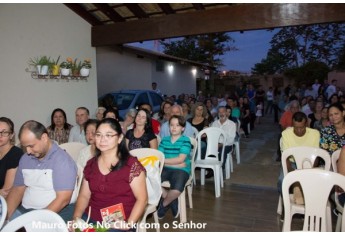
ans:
(258, 166)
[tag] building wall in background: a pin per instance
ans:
(119, 69)
(31, 30)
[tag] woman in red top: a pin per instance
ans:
(112, 177)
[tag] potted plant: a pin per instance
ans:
(85, 68)
(56, 67)
(66, 67)
(76, 67)
(42, 64)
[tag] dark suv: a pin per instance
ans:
(126, 99)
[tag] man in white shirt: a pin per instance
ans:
(229, 128)
(77, 133)
(316, 87)
(331, 89)
(154, 88)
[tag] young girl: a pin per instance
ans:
(258, 114)
(177, 168)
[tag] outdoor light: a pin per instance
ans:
(194, 72)
(170, 69)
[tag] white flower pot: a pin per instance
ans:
(42, 70)
(65, 72)
(84, 72)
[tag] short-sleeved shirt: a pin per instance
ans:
(171, 150)
(142, 142)
(9, 161)
(43, 178)
(286, 119)
(330, 140)
(113, 188)
(311, 138)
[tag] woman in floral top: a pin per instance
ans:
(332, 137)
(59, 128)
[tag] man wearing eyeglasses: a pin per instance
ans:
(46, 175)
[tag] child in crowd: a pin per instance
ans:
(259, 108)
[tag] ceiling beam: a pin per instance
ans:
(109, 12)
(83, 13)
(198, 6)
(166, 8)
(136, 10)
(227, 19)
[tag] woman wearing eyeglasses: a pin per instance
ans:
(9, 156)
(112, 177)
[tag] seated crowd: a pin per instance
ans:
(45, 175)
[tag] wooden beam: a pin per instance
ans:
(166, 8)
(109, 11)
(227, 19)
(198, 6)
(136, 10)
(79, 10)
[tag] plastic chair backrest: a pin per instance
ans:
(194, 145)
(145, 152)
(335, 158)
(37, 221)
(153, 178)
(73, 149)
(195, 132)
(80, 176)
(3, 210)
(159, 139)
(213, 134)
(305, 157)
(316, 185)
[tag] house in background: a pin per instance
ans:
(128, 67)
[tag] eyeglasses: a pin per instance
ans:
(5, 133)
(106, 136)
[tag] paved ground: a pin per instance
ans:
(258, 166)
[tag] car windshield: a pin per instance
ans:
(120, 100)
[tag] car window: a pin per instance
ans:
(156, 99)
(142, 98)
(121, 100)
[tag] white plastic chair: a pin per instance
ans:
(159, 139)
(37, 221)
(237, 142)
(3, 210)
(195, 132)
(316, 213)
(335, 158)
(211, 158)
(73, 149)
(229, 164)
(339, 207)
(150, 208)
(305, 158)
(189, 186)
(80, 176)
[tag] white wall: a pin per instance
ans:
(31, 30)
(176, 81)
(121, 70)
(124, 70)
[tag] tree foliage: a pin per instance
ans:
(205, 49)
(308, 72)
(341, 60)
(293, 47)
